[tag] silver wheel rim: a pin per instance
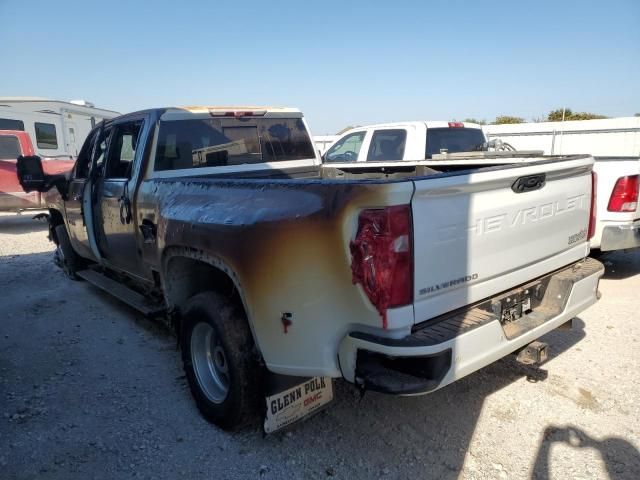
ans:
(209, 363)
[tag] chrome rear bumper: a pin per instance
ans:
(619, 237)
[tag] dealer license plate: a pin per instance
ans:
(289, 406)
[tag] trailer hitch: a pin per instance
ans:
(533, 354)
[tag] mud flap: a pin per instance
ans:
(290, 399)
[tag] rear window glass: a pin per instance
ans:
(453, 140)
(230, 141)
(9, 147)
(10, 124)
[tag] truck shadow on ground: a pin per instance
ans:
(621, 264)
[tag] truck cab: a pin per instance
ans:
(405, 141)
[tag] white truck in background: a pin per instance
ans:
(618, 211)
(405, 141)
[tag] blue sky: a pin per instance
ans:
(342, 63)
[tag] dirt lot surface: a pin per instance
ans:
(89, 389)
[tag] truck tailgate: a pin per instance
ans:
(476, 236)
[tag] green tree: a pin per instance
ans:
(556, 115)
(637, 115)
(473, 120)
(507, 119)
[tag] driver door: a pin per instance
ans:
(116, 225)
(73, 205)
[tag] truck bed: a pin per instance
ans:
(285, 237)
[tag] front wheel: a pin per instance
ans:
(219, 360)
(65, 256)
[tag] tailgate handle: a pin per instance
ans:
(529, 183)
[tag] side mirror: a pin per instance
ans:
(33, 179)
(30, 174)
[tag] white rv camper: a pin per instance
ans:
(56, 128)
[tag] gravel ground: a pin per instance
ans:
(90, 389)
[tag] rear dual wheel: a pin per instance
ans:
(219, 360)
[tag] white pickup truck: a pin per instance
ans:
(618, 209)
(401, 278)
(405, 141)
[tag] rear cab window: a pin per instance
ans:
(453, 140)
(223, 142)
(387, 145)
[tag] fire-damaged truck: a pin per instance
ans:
(280, 275)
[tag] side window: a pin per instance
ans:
(346, 149)
(9, 124)
(46, 136)
(84, 157)
(100, 148)
(387, 145)
(122, 150)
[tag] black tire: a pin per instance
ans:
(65, 255)
(231, 336)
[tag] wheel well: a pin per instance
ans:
(188, 272)
(184, 277)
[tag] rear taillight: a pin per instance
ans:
(214, 112)
(456, 125)
(624, 197)
(382, 257)
(594, 205)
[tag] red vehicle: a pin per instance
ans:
(14, 143)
